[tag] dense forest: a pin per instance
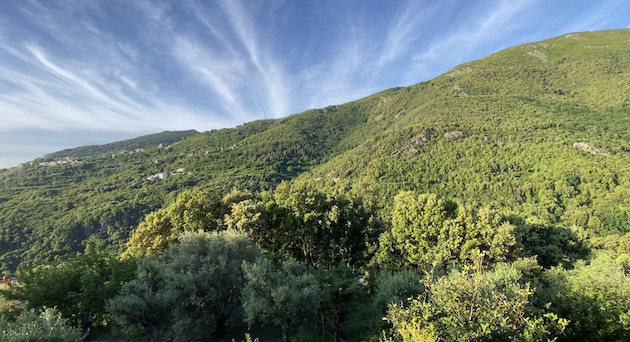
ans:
(490, 203)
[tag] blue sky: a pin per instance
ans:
(76, 73)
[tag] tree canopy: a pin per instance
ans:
(279, 294)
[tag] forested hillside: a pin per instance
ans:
(537, 131)
(145, 141)
(50, 209)
(488, 204)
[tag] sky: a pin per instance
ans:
(76, 73)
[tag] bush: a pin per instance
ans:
(473, 306)
(595, 297)
(34, 326)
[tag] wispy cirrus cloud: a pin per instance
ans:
(266, 65)
(365, 54)
(128, 68)
(480, 26)
(97, 84)
(75, 95)
(598, 16)
(405, 31)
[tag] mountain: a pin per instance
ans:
(538, 131)
(145, 141)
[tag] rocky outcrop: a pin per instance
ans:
(454, 135)
(590, 148)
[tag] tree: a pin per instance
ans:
(195, 288)
(79, 287)
(301, 221)
(193, 210)
(388, 255)
(279, 294)
(251, 217)
(31, 326)
(206, 280)
(429, 231)
(396, 288)
(551, 245)
(144, 301)
(416, 225)
(341, 297)
(475, 234)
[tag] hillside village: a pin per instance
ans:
(164, 175)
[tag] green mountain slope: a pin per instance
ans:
(145, 141)
(50, 210)
(538, 130)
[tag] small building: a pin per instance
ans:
(157, 176)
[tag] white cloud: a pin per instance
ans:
(598, 16)
(218, 73)
(454, 46)
(94, 82)
(405, 31)
(272, 74)
(148, 65)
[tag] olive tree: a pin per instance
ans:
(279, 293)
(143, 302)
(206, 280)
(193, 290)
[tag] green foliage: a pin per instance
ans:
(416, 225)
(551, 246)
(531, 144)
(192, 292)
(412, 332)
(279, 294)
(476, 234)
(479, 306)
(429, 231)
(78, 288)
(143, 302)
(618, 246)
(396, 287)
(536, 131)
(8, 306)
(205, 277)
(145, 141)
(33, 326)
(249, 216)
(388, 254)
(519, 148)
(594, 296)
(248, 338)
(342, 301)
(298, 220)
(194, 210)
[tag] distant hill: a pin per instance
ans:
(538, 131)
(145, 141)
